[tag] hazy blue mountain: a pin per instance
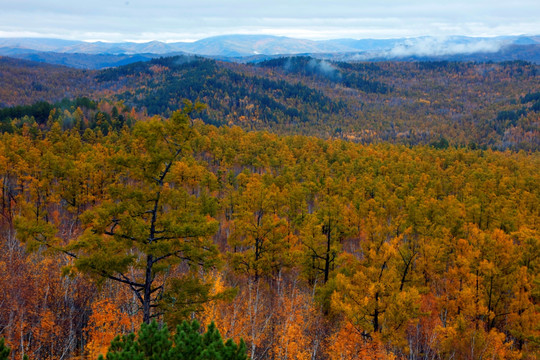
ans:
(366, 44)
(152, 47)
(15, 52)
(525, 40)
(36, 44)
(84, 61)
(23, 45)
(248, 48)
(246, 45)
(529, 53)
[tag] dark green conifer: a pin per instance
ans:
(153, 342)
(4, 350)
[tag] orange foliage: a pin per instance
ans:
(106, 321)
(347, 343)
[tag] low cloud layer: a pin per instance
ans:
(443, 46)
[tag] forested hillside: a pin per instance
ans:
(26, 82)
(485, 105)
(306, 248)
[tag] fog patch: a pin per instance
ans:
(443, 46)
(185, 59)
(324, 68)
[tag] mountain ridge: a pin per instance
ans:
(246, 45)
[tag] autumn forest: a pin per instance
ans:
(302, 208)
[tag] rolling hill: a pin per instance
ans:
(403, 102)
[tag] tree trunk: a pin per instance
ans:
(147, 290)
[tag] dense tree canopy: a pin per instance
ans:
(476, 105)
(325, 248)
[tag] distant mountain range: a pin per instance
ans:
(246, 48)
(226, 45)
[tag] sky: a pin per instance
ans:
(179, 20)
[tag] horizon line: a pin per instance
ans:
(89, 40)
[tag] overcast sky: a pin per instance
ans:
(179, 20)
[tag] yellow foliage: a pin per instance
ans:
(462, 341)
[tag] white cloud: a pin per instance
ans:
(443, 46)
(169, 20)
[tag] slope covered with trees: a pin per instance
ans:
(467, 104)
(26, 82)
(303, 247)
